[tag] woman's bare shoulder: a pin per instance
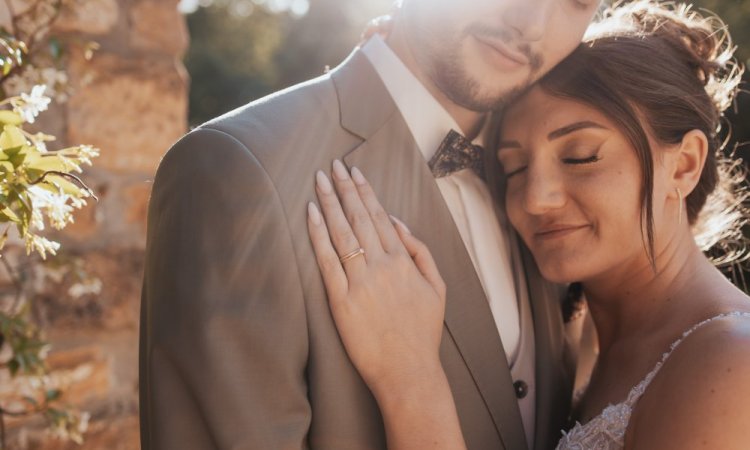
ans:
(701, 396)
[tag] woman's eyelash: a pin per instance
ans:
(572, 161)
(515, 172)
(589, 160)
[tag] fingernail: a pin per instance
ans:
(358, 177)
(313, 213)
(339, 171)
(324, 184)
(400, 224)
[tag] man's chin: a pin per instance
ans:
(480, 90)
(490, 100)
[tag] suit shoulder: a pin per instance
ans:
(211, 159)
(271, 117)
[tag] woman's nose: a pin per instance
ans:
(544, 191)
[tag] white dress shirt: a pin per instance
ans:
(473, 211)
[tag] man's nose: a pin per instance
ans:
(544, 191)
(528, 18)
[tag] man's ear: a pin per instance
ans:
(689, 159)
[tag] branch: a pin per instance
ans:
(70, 176)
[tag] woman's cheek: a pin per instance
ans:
(514, 208)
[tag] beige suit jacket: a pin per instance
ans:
(238, 348)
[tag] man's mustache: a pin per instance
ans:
(493, 33)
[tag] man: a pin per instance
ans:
(238, 348)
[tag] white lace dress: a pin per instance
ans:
(607, 430)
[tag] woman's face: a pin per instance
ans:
(573, 188)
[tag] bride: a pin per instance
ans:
(610, 174)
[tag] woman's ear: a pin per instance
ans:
(689, 160)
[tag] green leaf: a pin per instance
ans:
(19, 157)
(11, 137)
(48, 163)
(10, 214)
(11, 151)
(13, 367)
(10, 118)
(55, 415)
(69, 188)
(7, 65)
(52, 394)
(55, 48)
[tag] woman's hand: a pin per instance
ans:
(388, 302)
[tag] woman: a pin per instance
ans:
(608, 163)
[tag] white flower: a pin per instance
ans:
(29, 106)
(57, 82)
(41, 245)
(56, 206)
(37, 219)
(86, 153)
(40, 141)
(88, 287)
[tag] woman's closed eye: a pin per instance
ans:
(576, 161)
(513, 171)
(512, 162)
(579, 153)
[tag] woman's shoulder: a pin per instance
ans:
(701, 394)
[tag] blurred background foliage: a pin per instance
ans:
(242, 50)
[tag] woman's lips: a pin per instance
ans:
(557, 231)
(513, 57)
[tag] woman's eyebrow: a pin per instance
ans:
(560, 132)
(572, 128)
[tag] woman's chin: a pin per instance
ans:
(559, 274)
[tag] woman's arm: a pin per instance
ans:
(388, 305)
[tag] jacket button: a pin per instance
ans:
(522, 389)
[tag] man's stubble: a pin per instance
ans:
(442, 61)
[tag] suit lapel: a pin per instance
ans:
(399, 174)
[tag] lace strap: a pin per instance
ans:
(640, 388)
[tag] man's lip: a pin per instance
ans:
(558, 230)
(500, 47)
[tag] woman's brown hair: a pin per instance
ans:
(660, 70)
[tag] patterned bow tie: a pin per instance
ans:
(457, 153)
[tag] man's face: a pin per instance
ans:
(480, 53)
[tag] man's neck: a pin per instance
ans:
(469, 121)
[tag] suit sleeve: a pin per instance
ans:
(223, 326)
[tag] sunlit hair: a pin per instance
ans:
(663, 70)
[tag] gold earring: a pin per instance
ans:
(679, 213)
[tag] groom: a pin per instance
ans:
(238, 348)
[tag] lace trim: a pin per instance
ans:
(607, 430)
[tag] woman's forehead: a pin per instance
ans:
(540, 112)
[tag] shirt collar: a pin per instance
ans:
(426, 118)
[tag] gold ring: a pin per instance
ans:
(352, 255)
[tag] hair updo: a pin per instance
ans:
(662, 69)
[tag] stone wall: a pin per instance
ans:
(130, 100)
